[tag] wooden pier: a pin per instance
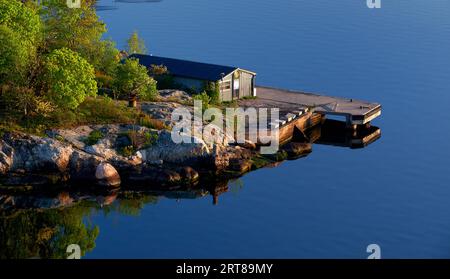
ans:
(301, 111)
(356, 112)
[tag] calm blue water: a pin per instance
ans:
(335, 202)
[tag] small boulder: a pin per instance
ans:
(240, 165)
(248, 145)
(222, 156)
(173, 95)
(295, 149)
(107, 175)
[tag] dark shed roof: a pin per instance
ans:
(184, 68)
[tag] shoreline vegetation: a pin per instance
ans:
(75, 111)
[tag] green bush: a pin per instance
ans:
(213, 91)
(204, 97)
(102, 110)
(68, 78)
(141, 140)
(150, 138)
(94, 137)
(103, 80)
(98, 110)
(132, 80)
(138, 140)
(127, 151)
(18, 102)
(150, 93)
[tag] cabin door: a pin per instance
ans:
(236, 88)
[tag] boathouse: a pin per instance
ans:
(234, 82)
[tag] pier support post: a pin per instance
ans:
(348, 122)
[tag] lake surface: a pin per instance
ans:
(336, 201)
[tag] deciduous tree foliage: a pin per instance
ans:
(50, 55)
(45, 233)
(68, 78)
(108, 58)
(20, 34)
(136, 44)
(23, 19)
(13, 57)
(77, 29)
(132, 79)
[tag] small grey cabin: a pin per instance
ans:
(234, 83)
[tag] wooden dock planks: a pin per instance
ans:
(357, 112)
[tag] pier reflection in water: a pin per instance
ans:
(36, 225)
(333, 132)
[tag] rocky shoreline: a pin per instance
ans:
(128, 154)
(63, 157)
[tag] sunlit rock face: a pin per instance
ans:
(69, 155)
(191, 151)
(36, 154)
(295, 149)
(6, 157)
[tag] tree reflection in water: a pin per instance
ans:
(45, 233)
(38, 226)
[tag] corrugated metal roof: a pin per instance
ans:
(184, 68)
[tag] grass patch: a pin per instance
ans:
(281, 155)
(98, 110)
(229, 104)
(94, 137)
(260, 162)
(59, 138)
(150, 139)
(136, 140)
(127, 151)
(204, 98)
(146, 121)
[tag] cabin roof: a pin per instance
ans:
(185, 68)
